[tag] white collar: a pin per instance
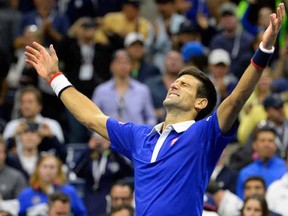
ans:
(178, 127)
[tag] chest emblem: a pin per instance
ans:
(173, 141)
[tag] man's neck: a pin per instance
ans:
(177, 116)
(121, 85)
(31, 118)
(29, 152)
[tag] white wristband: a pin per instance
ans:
(59, 83)
(266, 50)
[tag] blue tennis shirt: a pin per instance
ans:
(176, 182)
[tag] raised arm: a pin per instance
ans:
(46, 65)
(229, 109)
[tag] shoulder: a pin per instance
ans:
(50, 121)
(144, 21)
(137, 85)
(13, 173)
(13, 123)
(28, 191)
(113, 16)
(68, 188)
(105, 85)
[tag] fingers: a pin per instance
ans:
(281, 12)
(31, 57)
(32, 51)
(38, 47)
(52, 51)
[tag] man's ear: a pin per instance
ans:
(201, 103)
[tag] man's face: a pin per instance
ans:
(123, 212)
(30, 139)
(166, 9)
(121, 195)
(228, 22)
(219, 70)
(254, 187)
(58, 208)
(131, 12)
(173, 62)
(276, 115)
(182, 93)
(29, 106)
(48, 170)
(252, 208)
(265, 144)
(121, 66)
(136, 50)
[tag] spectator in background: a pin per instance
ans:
(227, 203)
(255, 204)
(87, 64)
(59, 204)
(100, 168)
(83, 8)
(9, 22)
(195, 54)
(121, 194)
(219, 63)
(12, 183)
(116, 25)
(256, 185)
(188, 31)
(48, 178)
(21, 75)
(262, 21)
(123, 97)
(233, 39)
(266, 164)
(122, 211)
(142, 70)
(30, 106)
(224, 175)
(29, 145)
(277, 195)
(53, 25)
(159, 85)
(273, 112)
(166, 27)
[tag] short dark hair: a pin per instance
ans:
(164, 1)
(33, 90)
(263, 203)
(255, 178)
(129, 182)
(205, 90)
(58, 196)
(119, 208)
(265, 128)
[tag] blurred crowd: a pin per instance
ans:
(124, 55)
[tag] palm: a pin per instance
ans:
(44, 63)
(270, 35)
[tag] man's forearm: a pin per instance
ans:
(85, 110)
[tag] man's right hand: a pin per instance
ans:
(45, 63)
